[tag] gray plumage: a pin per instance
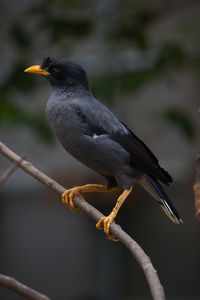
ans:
(90, 132)
(71, 116)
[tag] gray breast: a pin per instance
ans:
(64, 122)
(99, 153)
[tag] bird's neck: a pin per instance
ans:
(71, 91)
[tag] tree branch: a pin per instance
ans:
(4, 177)
(21, 289)
(155, 286)
(196, 188)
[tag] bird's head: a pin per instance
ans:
(64, 74)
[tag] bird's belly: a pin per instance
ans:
(100, 154)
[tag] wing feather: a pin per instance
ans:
(98, 119)
(142, 157)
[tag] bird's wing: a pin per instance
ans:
(141, 156)
(99, 120)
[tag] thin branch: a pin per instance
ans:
(4, 177)
(196, 188)
(155, 286)
(21, 289)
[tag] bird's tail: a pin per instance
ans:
(153, 187)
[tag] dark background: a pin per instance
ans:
(142, 58)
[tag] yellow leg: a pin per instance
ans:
(107, 221)
(67, 196)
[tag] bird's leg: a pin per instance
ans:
(67, 196)
(107, 221)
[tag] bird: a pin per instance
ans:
(92, 134)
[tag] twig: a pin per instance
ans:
(4, 177)
(155, 286)
(196, 188)
(21, 289)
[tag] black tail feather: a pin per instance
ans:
(168, 178)
(157, 191)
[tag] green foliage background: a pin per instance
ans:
(64, 23)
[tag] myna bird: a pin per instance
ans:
(91, 133)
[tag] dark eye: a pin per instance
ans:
(54, 71)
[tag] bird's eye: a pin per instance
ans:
(53, 71)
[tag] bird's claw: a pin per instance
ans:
(106, 221)
(67, 198)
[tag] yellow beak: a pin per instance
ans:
(37, 69)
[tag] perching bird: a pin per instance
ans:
(91, 133)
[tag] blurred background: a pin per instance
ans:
(143, 61)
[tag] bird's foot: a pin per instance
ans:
(67, 197)
(107, 221)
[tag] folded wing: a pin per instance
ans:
(98, 119)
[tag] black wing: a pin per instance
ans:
(98, 120)
(141, 156)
